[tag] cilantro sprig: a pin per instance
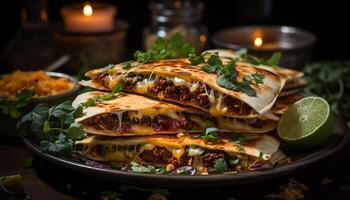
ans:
(175, 47)
(227, 74)
(53, 127)
(11, 108)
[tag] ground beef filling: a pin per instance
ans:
(158, 123)
(236, 106)
(209, 158)
(162, 156)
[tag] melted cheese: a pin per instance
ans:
(194, 87)
(142, 87)
(113, 81)
(140, 129)
(120, 121)
(217, 108)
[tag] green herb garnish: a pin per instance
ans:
(330, 80)
(233, 161)
(128, 64)
(210, 134)
(227, 74)
(161, 170)
(10, 108)
(149, 169)
(196, 60)
(53, 127)
(175, 47)
(220, 166)
(272, 61)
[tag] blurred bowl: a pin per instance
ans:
(295, 44)
(62, 96)
(8, 124)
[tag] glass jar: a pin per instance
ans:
(169, 17)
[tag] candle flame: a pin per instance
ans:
(87, 10)
(258, 42)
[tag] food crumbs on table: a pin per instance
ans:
(292, 191)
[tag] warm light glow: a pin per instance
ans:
(87, 10)
(202, 38)
(258, 42)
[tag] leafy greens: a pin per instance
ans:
(330, 80)
(53, 127)
(11, 108)
(174, 47)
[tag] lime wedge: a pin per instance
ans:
(307, 123)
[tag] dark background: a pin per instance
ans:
(327, 19)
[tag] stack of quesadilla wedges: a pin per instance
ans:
(173, 114)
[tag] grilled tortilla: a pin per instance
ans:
(178, 81)
(283, 103)
(183, 149)
(130, 114)
(294, 79)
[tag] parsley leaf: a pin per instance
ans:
(196, 60)
(220, 166)
(259, 78)
(272, 61)
(11, 108)
(175, 47)
(211, 69)
(210, 134)
(330, 80)
(149, 169)
(225, 82)
(214, 60)
(143, 57)
(247, 89)
(53, 128)
(128, 64)
(161, 170)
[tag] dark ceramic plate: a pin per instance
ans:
(339, 138)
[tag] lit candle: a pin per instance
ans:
(88, 17)
(258, 42)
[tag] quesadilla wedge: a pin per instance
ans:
(240, 152)
(178, 81)
(130, 114)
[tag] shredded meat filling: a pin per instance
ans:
(162, 156)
